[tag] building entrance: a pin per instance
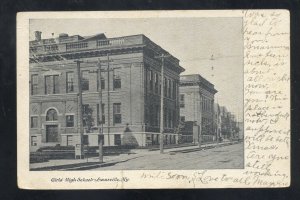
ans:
(51, 133)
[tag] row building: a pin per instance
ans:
(201, 119)
(129, 74)
(196, 103)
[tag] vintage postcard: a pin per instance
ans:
(153, 99)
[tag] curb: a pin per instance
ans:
(204, 148)
(87, 166)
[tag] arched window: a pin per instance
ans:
(51, 115)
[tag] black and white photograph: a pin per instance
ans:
(130, 94)
(153, 99)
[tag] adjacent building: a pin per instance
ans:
(196, 101)
(130, 90)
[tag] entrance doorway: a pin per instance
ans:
(51, 133)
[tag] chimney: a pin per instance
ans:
(38, 35)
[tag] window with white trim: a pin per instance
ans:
(33, 140)
(69, 120)
(34, 122)
(117, 113)
(34, 84)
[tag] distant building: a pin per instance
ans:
(229, 125)
(225, 123)
(197, 104)
(130, 82)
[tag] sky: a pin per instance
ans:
(192, 40)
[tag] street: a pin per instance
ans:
(226, 157)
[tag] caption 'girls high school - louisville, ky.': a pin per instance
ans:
(119, 79)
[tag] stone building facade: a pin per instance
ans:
(196, 100)
(130, 89)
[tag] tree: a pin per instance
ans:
(88, 120)
(178, 129)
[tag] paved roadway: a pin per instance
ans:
(226, 157)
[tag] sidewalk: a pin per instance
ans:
(89, 163)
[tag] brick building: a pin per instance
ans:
(130, 82)
(197, 104)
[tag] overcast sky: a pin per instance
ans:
(191, 40)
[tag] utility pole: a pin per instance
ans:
(79, 147)
(100, 114)
(237, 125)
(108, 101)
(214, 125)
(200, 118)
(130, 96)
(161, 142)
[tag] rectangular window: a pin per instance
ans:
(55, 84)
(85, 80)
(174, 118)
(69, 120)
(98, 114)
(165, 87)
(102, 82)
(170, 119)
(51, 84)
(48, 85)
(174, 90)
(117, 138)
(182, 118)
(33, 141)
(169, 88)
(117, 113)
(70, 82)
(85, 140)
(208, 105)
(117, 82)
(102, 138)
(69, 140)
(156, 83)
(181, 101)
(159, 85)
(34, 84)
(34, 122)
(150, 80)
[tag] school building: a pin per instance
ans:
(129, 74)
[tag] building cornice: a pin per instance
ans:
(193, 83)
(71, 55)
